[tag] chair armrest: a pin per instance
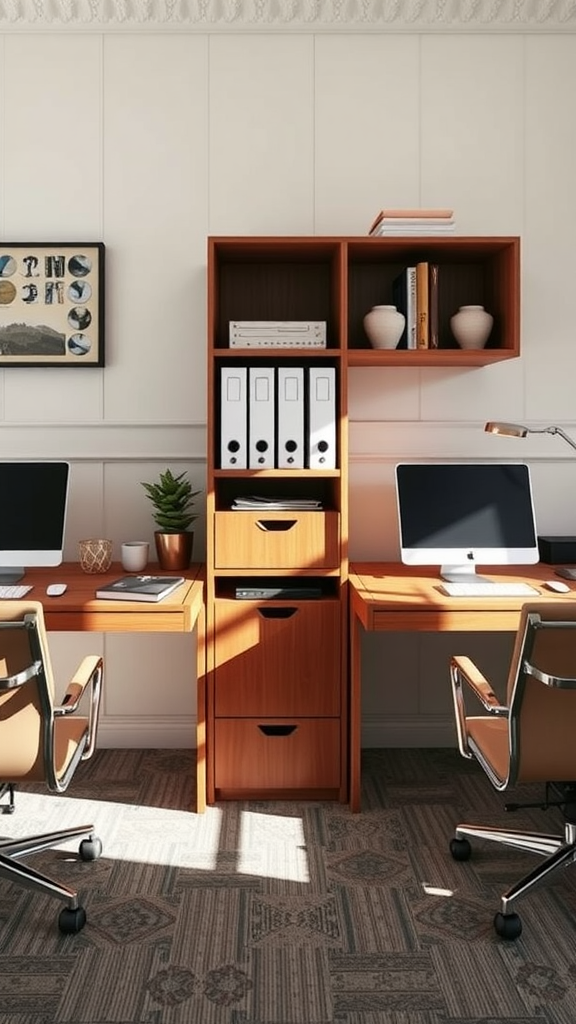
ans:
(479, 685)
(88, 674)
(463, 669)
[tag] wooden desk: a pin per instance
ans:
(79, 611)
(399, 598)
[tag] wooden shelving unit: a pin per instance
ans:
(276, 716)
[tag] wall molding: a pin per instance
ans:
(377, 731)
(162, 733)
(420, 16)
(105, 442)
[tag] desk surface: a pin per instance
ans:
(78, 609)
(387, 595)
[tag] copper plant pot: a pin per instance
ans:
(174, 550)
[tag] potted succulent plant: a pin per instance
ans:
(172, 498)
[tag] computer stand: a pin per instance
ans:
(461, 574)
(8, 576)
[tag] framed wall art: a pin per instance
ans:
(51, 304)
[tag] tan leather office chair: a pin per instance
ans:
(530, 738)
(43, 742)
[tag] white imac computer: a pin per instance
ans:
(33, 504)
(460, 515)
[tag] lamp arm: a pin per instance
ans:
(563, 434)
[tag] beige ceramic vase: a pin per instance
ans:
(471, 326)
(384, 326)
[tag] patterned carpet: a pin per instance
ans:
(284, 913)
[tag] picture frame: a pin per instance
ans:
(52, 304)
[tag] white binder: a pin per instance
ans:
(291, 417)
(261, 407)
(322, 417)
(233, 417)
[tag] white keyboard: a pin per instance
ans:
(14, 592)
(489, 590)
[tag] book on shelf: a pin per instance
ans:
(422, 297)
(404, 296)
(434, 328)
(400, 228)
(427, 213)
(140, 588)
(257, 503)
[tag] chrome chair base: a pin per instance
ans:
(558, 850)
(73, 917)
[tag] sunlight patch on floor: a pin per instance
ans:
(278, 844)
(130, 832)
(435, 890)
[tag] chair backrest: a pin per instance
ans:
(26, 693)
(542, 722)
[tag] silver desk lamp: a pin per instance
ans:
(519, 430)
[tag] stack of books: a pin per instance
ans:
(255, 502)
(415, 294)
(412, 222)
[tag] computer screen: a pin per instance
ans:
(460, 515)
(33, 504)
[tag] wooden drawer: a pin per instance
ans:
(259, 756)
(277, 658)
(278, 540)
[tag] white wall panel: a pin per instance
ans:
(453, 394)
(383, 393)
(261, 135)
(156, 190)
(52, 150)
(151, 674)
(52, 190)
(550, 265)
(472, 122)
(367, 129)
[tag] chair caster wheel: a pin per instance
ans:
(71, 921)
(90, 849)
(460, 849)
(508, 926)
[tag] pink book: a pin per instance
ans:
(434, 214)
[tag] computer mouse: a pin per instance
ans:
(57, 589)
(557, 586)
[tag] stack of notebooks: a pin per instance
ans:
(257, 503)
(398, 223)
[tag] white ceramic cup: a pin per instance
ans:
(134, 556)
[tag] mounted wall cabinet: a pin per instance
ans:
(275, 711)
(471, 271)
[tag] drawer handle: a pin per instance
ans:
(277, 613)
(275, 525)
(277, 730)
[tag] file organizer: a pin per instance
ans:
(290, 449)
(233, 417)
(322, 417)
(261, 417)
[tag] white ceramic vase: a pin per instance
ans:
(471, 326)
(384, 326)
